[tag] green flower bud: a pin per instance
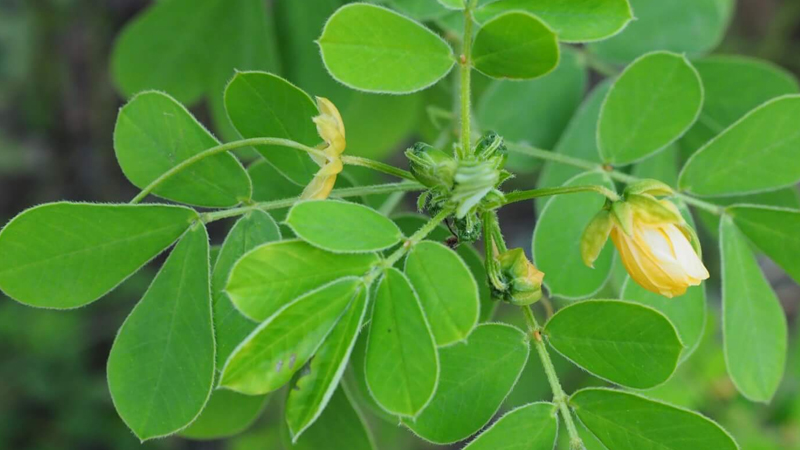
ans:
(492, 148)
(468, 229)
(523, 279)
(430, 166)
(473, 181)
(595, 236)
(649, 187)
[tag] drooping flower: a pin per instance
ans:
(523, 279)
(331, 129)
(657, 247)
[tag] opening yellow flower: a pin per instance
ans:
(331, 129)
(654, 243)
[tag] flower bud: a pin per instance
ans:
(492, 148)
(473, 181)
(430, 166)
(523, 279)
(467, 229)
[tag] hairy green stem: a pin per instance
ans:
(492, 243)
(559, 396)
(286, 202)
(546, 192)
(613, 174)
(379, 166)
(465, 64)
(222, 148)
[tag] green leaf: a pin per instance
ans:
(230, 326)
(579, 140)
(652, 104)
(410, 222)
(272, 275)
(788, 197)
(161, 366)
(313, 387)
(534, 111)
(342, 227)
(421, 10)
(625, 421)
(763, 145)
(753, 321)
(734, 85)
(226, 414)
(515, 45)
(452, 4)
(530, 427)
(774, 231)
(261, 104)
(626, 343)
(183, 47)
(447, 290)
(83, 250)
(283, 343)
(476, 376)
(557, 237)
(340, 427)
(687, 312)
(573, 21)
(663, 166)
(402, 364)
(682, 26)
(154, 133)
(374, 49)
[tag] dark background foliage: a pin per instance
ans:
(57, 113)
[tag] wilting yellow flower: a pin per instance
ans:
(653, 240)
(331, 129)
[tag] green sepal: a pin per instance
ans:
(651, 210)
(491, 147)
(623, 214)
(595, 236)
(650, 187)
(431, 166)
(523, 279)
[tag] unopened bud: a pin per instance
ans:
(431, 166)
(523, 279)
(492, 148)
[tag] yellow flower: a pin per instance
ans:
(653, 240)
(331, 129)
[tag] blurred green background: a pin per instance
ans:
(57, 111)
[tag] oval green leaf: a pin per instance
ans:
(626, 343)
(272, 275)
(374, 49)
(753, 322)
(625, 421)
(261, 104)
(774, 231)
(402, 364)
(483, 370)
(652, 104)
(341, 426)
(447, 291)
(282, 344)
(734, 85)
(312, 389)
(557, 237)
(515, 45)
(757, 153)
(530, 427)
(682, 26)
(161, 366)
(535, 111)
(226, 414)
(230, 326)
(88, 250)
(687, 312)
(154, 133)
(573, 21)
(342, 227)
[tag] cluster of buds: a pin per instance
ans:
(659, 249)
(520, 281)
(463, 185)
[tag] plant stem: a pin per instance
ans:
(222, 148)
(613, 174)
(286, 202)
(559, 397)
(413, 240)
(379, 166)
(465, 61)
(545, 192)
